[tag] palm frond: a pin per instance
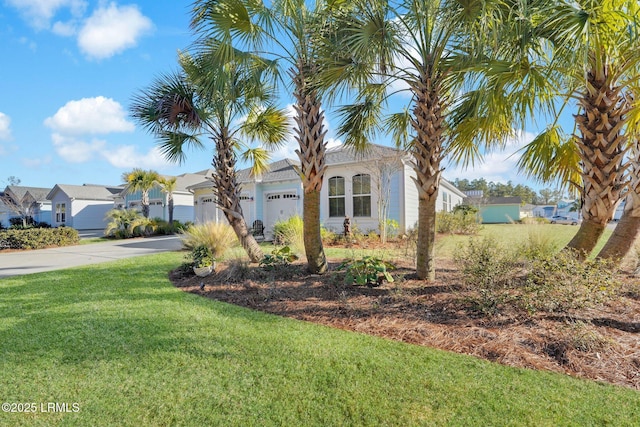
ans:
(258, 158)
(269, 125)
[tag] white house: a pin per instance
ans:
(272, 196)
(30, 200)
(82, 207)
(354, 185)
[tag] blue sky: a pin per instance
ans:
(70, 69)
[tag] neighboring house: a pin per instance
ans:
(353, 186)
(183, 203)
(497, 210)
(32, 202)
(544, 211)
(82, 207)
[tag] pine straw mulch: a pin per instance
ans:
(600, 343)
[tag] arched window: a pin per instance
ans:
(336, 196)
(362, 195)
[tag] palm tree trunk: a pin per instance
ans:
(310, 134)
(312, 236)
(622, 239)
(602, 149)
(624, 236)
(227, 194)
(145, 204)
(170, 203)
(427, 153)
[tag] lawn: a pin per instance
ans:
(127, 348)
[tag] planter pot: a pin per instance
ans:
(203, 271)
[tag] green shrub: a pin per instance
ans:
(279, 257)
(457, 223)
(392, 228)
(490, 270)
(202, 256)
(290, 232)
(127, 223)
(368, 270)
(218, 237)
(539, 245)
(38, 238)
(564, 282)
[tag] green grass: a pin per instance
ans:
(131, 350)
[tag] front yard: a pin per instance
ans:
(128, 348)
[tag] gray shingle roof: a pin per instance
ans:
(342, 154)
(38, 193)
(86, 192)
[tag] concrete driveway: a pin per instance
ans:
(36, 261)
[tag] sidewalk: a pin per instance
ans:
(36, 261)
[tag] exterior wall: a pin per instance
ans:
(60, 197)
(411, 200)
(88, 214)
(499, 214)
(364, 224)
(183, 209)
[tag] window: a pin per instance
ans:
(336, 196)
(362, 195)
(446, 202)
(61, 212)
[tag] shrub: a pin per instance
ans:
(218, 237)
(202, 256)
(367, 270)
(457, 223)
(290, 232)
(489, 270)
(539, 245)
(564, 282)
(126, 223)
(38, 238)
(392, 228)
(279, 257)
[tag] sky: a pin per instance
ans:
(69, 71)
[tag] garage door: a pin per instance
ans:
(280, 206)
(207, 210)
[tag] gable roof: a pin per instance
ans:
(514, 200)
(86, 191)
(342, 154)
(19, 191)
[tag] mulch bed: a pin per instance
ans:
(600, 343)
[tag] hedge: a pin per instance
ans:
(38, 238)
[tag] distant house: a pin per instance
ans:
(544, 211)
(31, 202)
(497, 210)
(183, 207)
(350, 188)
(82, 207)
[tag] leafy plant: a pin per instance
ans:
(202, 256)
(278, 257)
(290, 232)
(368, 270)
(126, 223)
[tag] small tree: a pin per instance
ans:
(142, 181)
(168, 186)
(382, 171)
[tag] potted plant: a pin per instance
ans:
(203, 261)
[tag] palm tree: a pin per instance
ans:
(142, 181)
(428, 49)
(291, 27)
(222, 101)
(595, 58)
(168, 186)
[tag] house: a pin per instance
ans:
(82, 207)
(497, 210)
(22, 201)
(268, 198)
(183, 202)
(355, 185)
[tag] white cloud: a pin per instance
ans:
(126, 157)
(112, 29)
(5, 127)
(499, 166)
(65, 29)
(40, 12)
(75, 150)
(97, 115)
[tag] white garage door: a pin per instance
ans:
(280, 206)
(207, 210)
